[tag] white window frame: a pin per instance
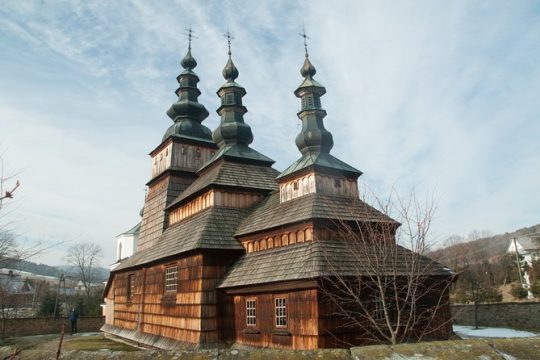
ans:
(251, 312)
(280, 304)
(171, 278)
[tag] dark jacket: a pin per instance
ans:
(74, 315)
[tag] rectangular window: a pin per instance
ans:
(378, 308)
(131, 287)
(281, 312)
(251, 312)
(171, 278)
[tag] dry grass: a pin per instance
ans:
(95, 343)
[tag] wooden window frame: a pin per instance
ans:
(131, 288)
(378, 307)
(170, 286)
(251, 312)
(280, 312)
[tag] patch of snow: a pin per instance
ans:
(467, 332)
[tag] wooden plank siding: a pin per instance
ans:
(335, 333)
(160, 195)
(313, 182)
(214, 198)
(301, 331)
(189, 315)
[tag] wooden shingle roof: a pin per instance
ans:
(212, 228)
(315, 259)
(320, 161)
(271, 213)
(232, 174)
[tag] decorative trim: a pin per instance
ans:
(281, 286)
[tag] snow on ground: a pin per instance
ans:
(468, 332)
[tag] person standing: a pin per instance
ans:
(73, 317)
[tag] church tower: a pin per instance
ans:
(316, 171)
(186, 146)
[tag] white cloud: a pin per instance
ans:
(438, 95)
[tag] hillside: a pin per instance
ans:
(48, 270)
(480, 250)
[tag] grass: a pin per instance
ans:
(95, 343)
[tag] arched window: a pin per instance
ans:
(120, 251)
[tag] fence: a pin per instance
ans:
(42, 325)
(521, 316)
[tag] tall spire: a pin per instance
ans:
(313, 141)
(232, 129)
(233, 135)
(187, 113)
(313, 138)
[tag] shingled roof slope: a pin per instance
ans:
(212, 228)
(320, 160)
(228, 173)
(271, 213)
(314, 259)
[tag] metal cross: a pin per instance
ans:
(190, 36)
(229, 37)
(303, 34)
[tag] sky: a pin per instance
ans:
(437, 96)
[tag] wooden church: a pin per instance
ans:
(232, 251)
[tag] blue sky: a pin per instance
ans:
(441, 96)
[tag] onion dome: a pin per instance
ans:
(230, 72)
(308, 69)
(188, 62)
(314, 141)
(314, 137)
(232, 129)
(187, 113)
(233, 135)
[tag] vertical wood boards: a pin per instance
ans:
(318, 183)
(301, 331)
(189, 315)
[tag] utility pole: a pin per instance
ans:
(518, 264)
(62, 279)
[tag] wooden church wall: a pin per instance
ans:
(187, 315)
(334, 331)
(301, 331)
(160, 194)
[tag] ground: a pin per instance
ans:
(95, 346)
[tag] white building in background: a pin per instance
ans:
(126, 243)
(529, 248)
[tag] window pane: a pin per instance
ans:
(281, 312)
(171, 279)
(251, 318)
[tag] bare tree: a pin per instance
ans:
(381, 287)
(85, 257)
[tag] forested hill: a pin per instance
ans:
(31, 267)
(48, 270)
(479, 250)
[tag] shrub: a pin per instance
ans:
(518, 292)
(535, 289)
(490, 295)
